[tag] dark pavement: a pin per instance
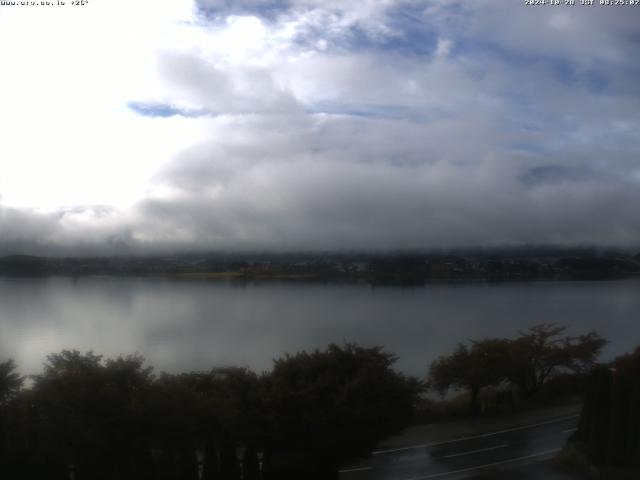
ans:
(517, 452)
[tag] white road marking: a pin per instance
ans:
(471, 452)
(569, 430)
(485, 435)
(486, 465)
(358, 469)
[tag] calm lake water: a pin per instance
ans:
(193, 325)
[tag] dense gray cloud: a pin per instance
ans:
(387, 125)
(82, 230)
(357, 196)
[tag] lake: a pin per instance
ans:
(181, 325)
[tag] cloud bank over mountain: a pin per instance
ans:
(318, 125)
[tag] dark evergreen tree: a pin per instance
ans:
(609, 427)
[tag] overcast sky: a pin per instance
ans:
(146, 125)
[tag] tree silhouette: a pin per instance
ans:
(10, 381)
(91, 413)
(331, 405)
(104, 419)
(10, 386)
(609, 427)
(540, 353)
(527, 362)
(474, 367)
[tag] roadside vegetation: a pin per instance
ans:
(500, 373)
(607, 441)
(88, 417)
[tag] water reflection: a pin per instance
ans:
(183, 325)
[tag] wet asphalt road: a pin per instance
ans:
(518, 452)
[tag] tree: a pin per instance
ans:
(10, 381)
(540, 353)
(10, 386)
(609, 427)
(90, 412)
(527, 361)
(329, 406)
(213, 412)
(473, 368)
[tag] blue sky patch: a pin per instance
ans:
(268, 10)
(163, 110)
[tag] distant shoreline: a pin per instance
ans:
(375, 269)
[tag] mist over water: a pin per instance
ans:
(196, 325)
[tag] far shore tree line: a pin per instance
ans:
(87, 417)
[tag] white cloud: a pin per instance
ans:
(318, 126)
(68, 74)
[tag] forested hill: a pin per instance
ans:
(509, 264)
